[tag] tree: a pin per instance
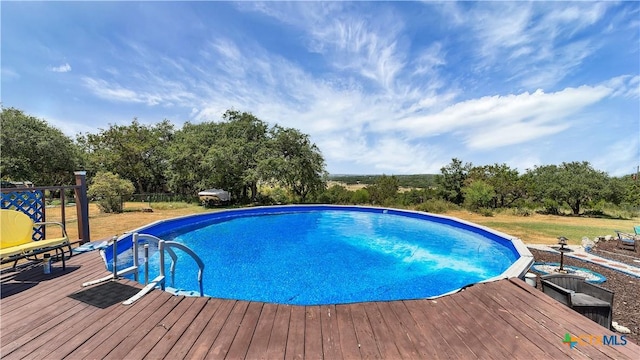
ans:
(188, 170)
(234, 161)
(453, 180)
(632, 193)
(292, 160)
(35, 151)
(110, 190)
(136, 152)
(336, 194)
(384, 190)
(505, 181)
(572, 183)
(478, 194)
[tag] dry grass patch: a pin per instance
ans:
(545, 229)
(102, 225)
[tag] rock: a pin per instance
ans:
(587, 244)
(608, 237)
(619, 328)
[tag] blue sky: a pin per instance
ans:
(381, 87)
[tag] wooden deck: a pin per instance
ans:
(499, 320)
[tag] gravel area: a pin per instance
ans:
(626, 301)
(609, 249)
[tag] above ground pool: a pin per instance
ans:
(313, 255)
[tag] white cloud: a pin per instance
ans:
(349, 41)
(391, 131)
(61, 69)
(495, 121)
(539, 44)
(372, 101)
(9, 73)
(146, 88)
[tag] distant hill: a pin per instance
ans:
(415, 181)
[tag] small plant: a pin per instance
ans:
(485, 212)
(109, 190)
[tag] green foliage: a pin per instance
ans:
(572, 183)
(485, 212)
(631, 190)
(384, 190)
(550, 207)
(293, 161)
(361, 196)
(234, 161)
(110, 190)
(336, 194)
(453, 180)
(437, 206)
(505, 181)
(34, 151)
(478, 195)
(409, 181)
(135, 151)
(187, 171)
(276, 195)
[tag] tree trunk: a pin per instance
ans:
(254, 191)
(576, 207)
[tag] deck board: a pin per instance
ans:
(312, 333)
(506, 339)
(295, 339)
(211, 331)
(505, 318)
(220, 347)
(383, 337)
(100, 344)
(242, 340)
(260, 342)
(279, 332)
(364, 333)
(330, 335)
(188, 338)
(347, 333)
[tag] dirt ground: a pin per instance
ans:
(626, 306)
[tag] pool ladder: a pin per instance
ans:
(163, 246)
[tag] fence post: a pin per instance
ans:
(82, 206)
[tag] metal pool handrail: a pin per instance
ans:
(160, 279)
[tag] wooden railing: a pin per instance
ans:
(32, 201)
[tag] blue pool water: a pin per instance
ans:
(332, 255)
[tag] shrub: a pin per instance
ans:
(478, 195)
(485, 212)
(436, 206)
(110, 191)
(360, 196)
(550, 207)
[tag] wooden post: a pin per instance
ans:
(82, 206)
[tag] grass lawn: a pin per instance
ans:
(534, 229)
